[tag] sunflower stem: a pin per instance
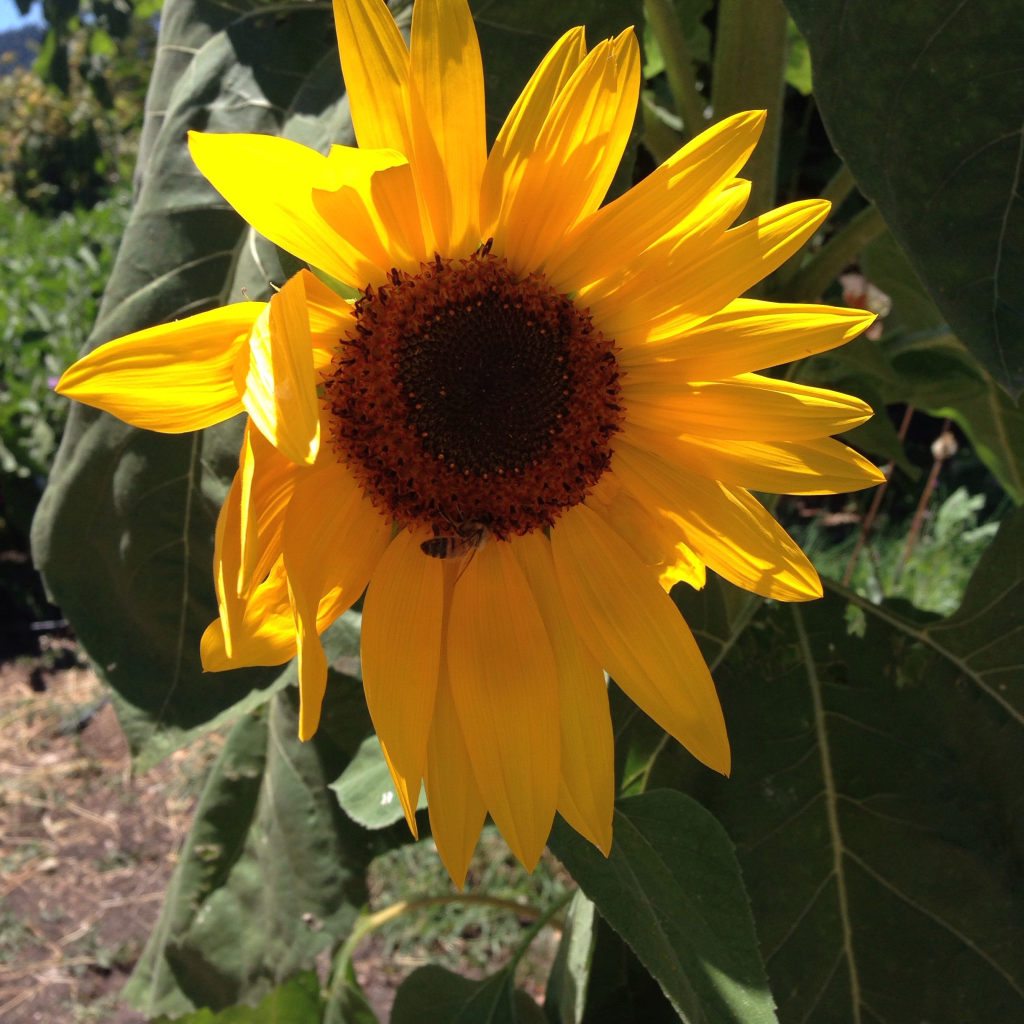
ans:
(810, 282)
(682, 82)
(751, 51)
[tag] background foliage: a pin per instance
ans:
(864, 862)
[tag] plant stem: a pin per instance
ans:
(535, 930)
(660, 138)
(808, 284)
(751, 50)
(661, 14)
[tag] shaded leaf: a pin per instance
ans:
(875, 802)
(672, 889)
(272, 872)
(915, 99)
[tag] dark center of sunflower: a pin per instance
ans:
(467, 394)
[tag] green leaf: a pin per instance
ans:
(124, 532)
(432, 995)
(272, 872)
(295, 1002)
(366, 791)
(565, 996)
(347, 1003)
(672, 889)
(875, 801)
(915, 99)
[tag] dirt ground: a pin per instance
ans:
(87, 850)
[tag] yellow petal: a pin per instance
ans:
(268, 482)
(726, 527)
(401, 653)
(330, 319)
(748, 407)
(517, 139)
(677, 298)
(457, 810)
(747, 335)
(622, 230)
(227, 555)
(684, 246)
(820, 466)
(586, 796)
(269, 181)
(266, 634)
(173, 378)
(447, 103)
(576, 155)
(657, 541)
(280, 389)
(333, 541)
(505, 684)
(369, 196)
(632, 627)
(375, 63)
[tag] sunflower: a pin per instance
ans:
(539, 415)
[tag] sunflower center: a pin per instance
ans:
(468, 395)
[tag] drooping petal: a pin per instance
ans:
(517, 139)
(333, 541)
(268, 482)
(457, 810)
(375, 64)
(369, 196)
(173, 378)
(227, 557)
(273, 192)
(266, 634)
(815, 466)
(401, 656)
(747, 335)
(576, 155)
(447, 104)
(661, 304)
(587, 791)
(632, 627)
(622, 230)
(280, 389)
(748, 407)
(725, 526)
(505, 684)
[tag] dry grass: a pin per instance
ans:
(86, 848)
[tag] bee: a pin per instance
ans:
(470, 536)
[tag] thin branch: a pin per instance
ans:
(663, 19)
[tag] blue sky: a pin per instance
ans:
(10, 16)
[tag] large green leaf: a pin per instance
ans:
(876, 801)
(672, 889)
(565, 995)
(124, 533)
(366, 791)
(272, 871)
(919, 100)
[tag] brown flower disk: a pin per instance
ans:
(468, 394)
